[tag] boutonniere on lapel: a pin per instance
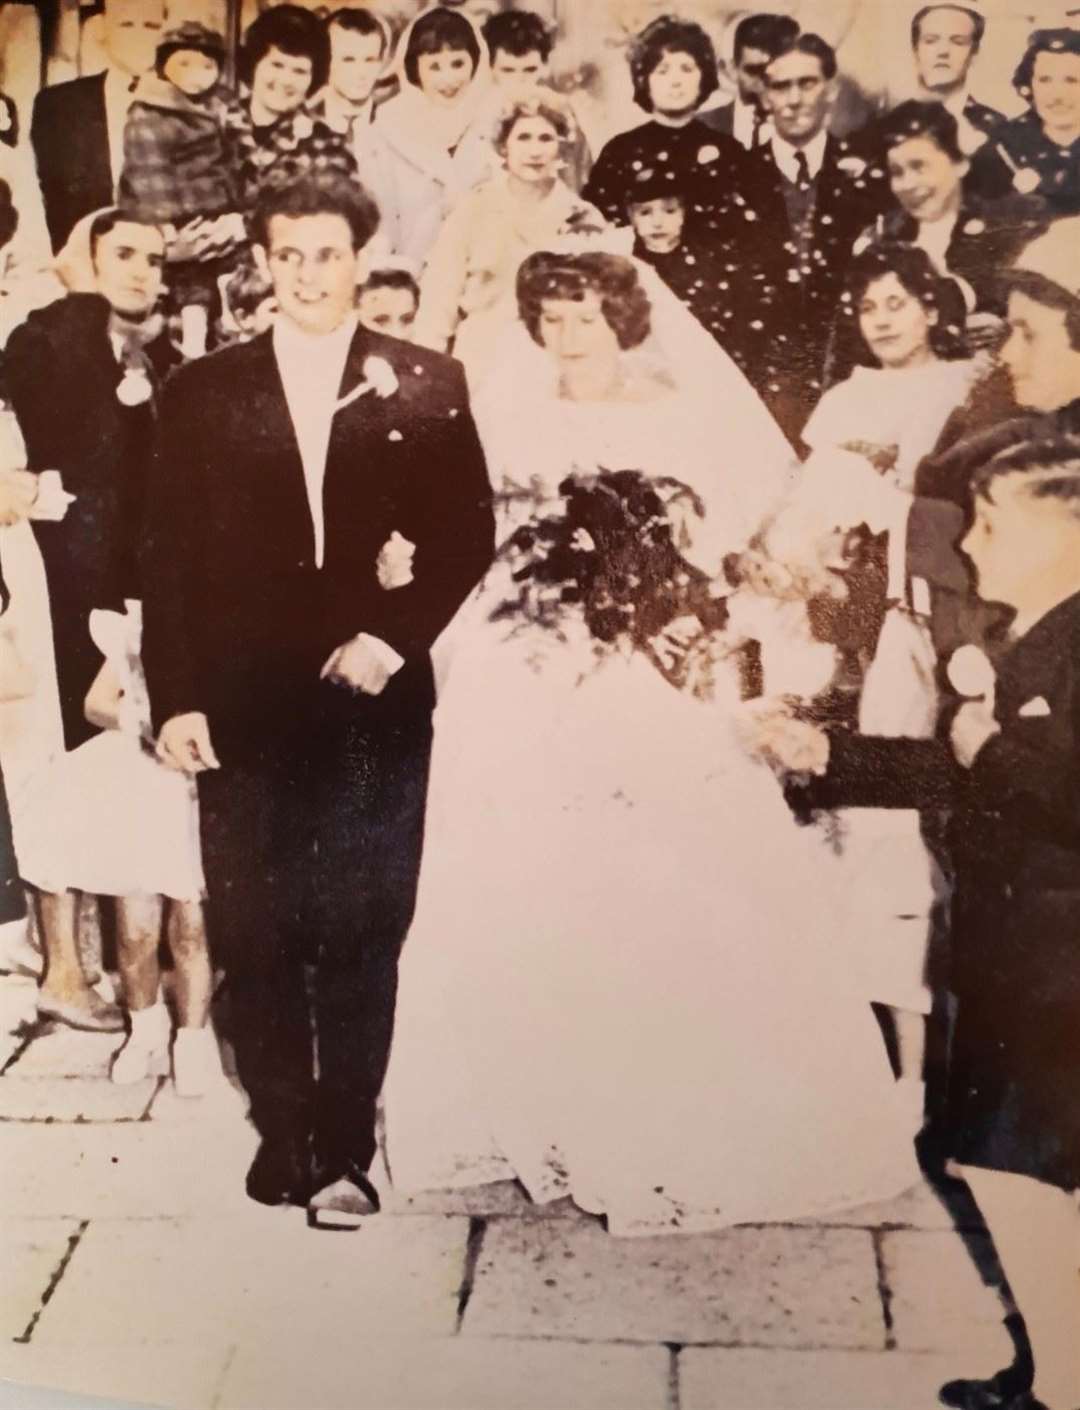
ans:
(134, 388)
(394, 565)
(1036, 709)
(379, 377)
(975, 226)
(971, 673)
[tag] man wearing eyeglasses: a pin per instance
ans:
(318, 512)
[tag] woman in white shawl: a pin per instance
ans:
(619, 931)
(443, 72)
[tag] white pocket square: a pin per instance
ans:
(1034, 709)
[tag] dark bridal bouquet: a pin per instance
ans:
(608, 556)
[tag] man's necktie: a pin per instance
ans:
(802, 176)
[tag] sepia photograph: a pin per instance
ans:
(539, 705)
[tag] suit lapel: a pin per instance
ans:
(274, 451)
(93, 126)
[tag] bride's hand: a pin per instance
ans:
(769, 731)
(675, 640)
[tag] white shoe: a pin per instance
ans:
(145, 1052)
(196, 1060)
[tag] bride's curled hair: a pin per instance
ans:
(614, 280)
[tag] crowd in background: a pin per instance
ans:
(870, 212)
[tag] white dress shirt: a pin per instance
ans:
(311, 368)
(746, 121)
(786, 155)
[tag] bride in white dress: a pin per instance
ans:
(624, 982)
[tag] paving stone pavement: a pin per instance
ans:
(135, 1269)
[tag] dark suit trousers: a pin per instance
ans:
(312, 853)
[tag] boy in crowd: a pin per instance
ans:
(388, 301)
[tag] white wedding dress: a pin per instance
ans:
(625, 981)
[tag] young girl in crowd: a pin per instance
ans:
(444, 79)
(176, 168)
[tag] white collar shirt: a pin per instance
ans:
(786, 155)
(311, 368)
(748, 124)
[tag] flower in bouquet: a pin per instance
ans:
(607, 556)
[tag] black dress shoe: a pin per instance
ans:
(983, 1395)
(997, 1393)
(280, 1173)
(344, 1203)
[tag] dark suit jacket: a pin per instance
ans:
(238, 621)
(62, 354)
(70, 137)
(793, 310)
(720, 119)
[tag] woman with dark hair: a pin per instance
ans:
(284, 59)
(1038, 153)
(105, 818)
(900, 331)
(674, 70)
(936, 210)
(442, 65)
(467, 287)
(598, 921)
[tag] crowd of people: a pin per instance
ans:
(628, 549)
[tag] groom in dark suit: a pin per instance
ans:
(319, 510)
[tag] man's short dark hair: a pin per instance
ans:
(815, 47)
(360, 22)
(671, 36)
(1052, 464)
(316, 195)
(391, 279)
(106, 222)
(978, 22)
(1044, 291)
(517, 32)
(769, 33)
(295, 32)
(917, 119)
(434, 32)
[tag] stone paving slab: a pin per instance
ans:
(257, 1277)
(72, 1099)
(446, 1375)
(940, 1302)
(917, 1208)
(773, 1286)
(180, 1377)
(31, 1252)
(66, 1052)
(130, 1170)
(502, 1200)
(741, 1379)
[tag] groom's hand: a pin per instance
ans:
(184, 744)
(365, 663)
